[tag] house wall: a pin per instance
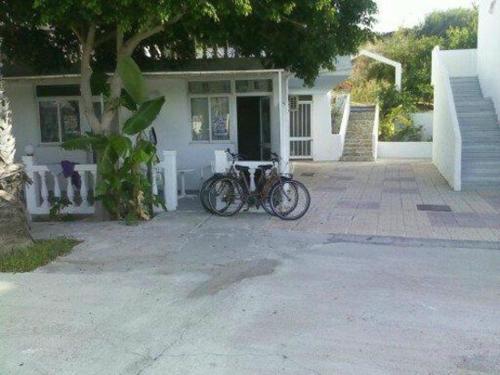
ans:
(425, 120)
(323, 144)
(173, 125)
(404, 150)
(488, 50)
(26, 127)
(323, 139)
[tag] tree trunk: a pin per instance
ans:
(14, 231)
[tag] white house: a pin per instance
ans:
(212, 105)
(466, 142)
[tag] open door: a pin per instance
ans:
(254, 127)
(265, 128)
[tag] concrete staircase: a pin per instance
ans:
(480, 131)
(358, 145)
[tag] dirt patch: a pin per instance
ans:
(233, 273)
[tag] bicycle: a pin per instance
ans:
(278, 194)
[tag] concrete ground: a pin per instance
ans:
(382, 199)
(193, 294)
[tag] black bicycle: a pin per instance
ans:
(278, 194)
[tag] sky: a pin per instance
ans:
(395, 13)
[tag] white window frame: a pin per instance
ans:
(209, 97)
(59, 99)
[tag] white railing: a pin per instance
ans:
(447, 139)
(49, 186)
(376, 125)
(339, 139)
(459, 62)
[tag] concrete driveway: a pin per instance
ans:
(192, 294)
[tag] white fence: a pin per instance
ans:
(447, 139)
(339, 139)
(376, 125)
(404, 150)
(49, 185)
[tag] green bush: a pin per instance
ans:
(123, 185)
(398, 126)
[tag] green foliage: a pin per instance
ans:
(366, 91)
(452, 29)
(322, 29)
(132, 79)
(372, 81)
(123, 186)
(390, 98)
(57, 205)
(397, 126)
(395, 111)
(438, 23)
(144, 116)
(36, 255)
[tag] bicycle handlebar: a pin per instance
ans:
(234, 156)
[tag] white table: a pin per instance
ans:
(252, 168)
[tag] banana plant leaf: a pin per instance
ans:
(132, 79)
(144, 117)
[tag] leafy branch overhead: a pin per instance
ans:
(300, 35)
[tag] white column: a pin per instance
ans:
(170, 177)
(44, 190)
(30, 189)
(399, 77)
(84, 190)
(221, 162)
(284, 124)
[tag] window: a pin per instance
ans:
(59, 110)
(210, 118)
(59, 120)
(254, 85)
(209, 87)
(200, 119)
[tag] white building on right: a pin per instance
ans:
(466, 141)
(488, 52)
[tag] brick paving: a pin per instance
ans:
(381, 198)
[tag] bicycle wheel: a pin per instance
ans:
(225, 197)
(204, 190)
(290, 200)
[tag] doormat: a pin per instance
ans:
(433, 207)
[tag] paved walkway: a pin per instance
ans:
(382, 199)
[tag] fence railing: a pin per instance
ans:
(77, 194)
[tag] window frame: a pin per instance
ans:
(209, 98)
(58, 100)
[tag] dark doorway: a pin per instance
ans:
(254, 127)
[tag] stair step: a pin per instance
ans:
(475, 108)
(486, 114)
(480, 187)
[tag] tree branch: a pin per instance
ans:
(86, 74)
(131, 44)
(105, 38)
(78, 35)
